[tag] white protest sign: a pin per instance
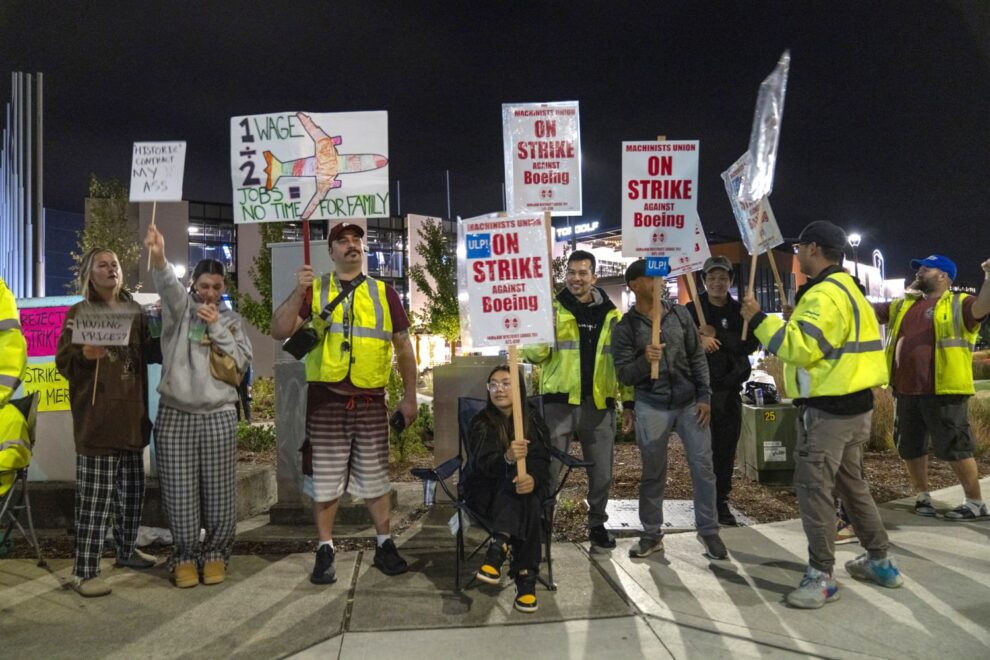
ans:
(757, 224)
(503, 288)
(309, 166)
(156, 171)
(542, 157)
(102, 327)
(660, 203)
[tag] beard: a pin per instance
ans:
(922, 285)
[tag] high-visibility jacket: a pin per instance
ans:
(954, 342)
(357, 338)
(831, 346)
(561, 364)
(15, 448)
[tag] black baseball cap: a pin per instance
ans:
(823, 234)
(636, 269)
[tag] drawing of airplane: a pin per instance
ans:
(326, 164)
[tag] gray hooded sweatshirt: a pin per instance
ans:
(187, 383)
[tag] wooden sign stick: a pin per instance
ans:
(154, 209)
(517, 405)
(752, 284)
(776, 278)
(657, 317)
(693, 290)
(96, 379)
(553, 294)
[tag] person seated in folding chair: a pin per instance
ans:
(15, 447)
(493, 488)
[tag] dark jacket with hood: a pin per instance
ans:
(728, 367)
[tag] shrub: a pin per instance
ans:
(981, 365)
(415, 440)
(882, 426)
(263, 398)
(979, 422)
(255, 438)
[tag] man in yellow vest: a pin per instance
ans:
(578, 383)
(15, 448)
(359, 321)
(833, 356)
(930, 339)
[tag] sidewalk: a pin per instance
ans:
(678, 604)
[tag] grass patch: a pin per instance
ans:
(255, 438)
(263, 398)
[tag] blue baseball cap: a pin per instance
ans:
(944, 264)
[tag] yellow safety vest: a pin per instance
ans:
(561, 365)
(954, 343)
(357, 339)
(15, 448)
(832, 344)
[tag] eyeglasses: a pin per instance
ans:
(797, 246)
(495, 386)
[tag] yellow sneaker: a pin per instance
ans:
(214, 572)
(186, 575)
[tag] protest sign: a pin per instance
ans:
(503, 288)
(157, 171)
(542, 157)
(659, 202)
(309, 166)
(41, 327)
(757, 224)
(765, 133)
(102, 327)
(52, 388)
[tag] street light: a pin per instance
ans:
(854, 240)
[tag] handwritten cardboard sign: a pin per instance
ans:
(502, 281)
(102, 327)
(309, 166)
(542, 143)
(157, 170)
(52, 388)
(41, 327)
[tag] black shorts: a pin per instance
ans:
(943, 418)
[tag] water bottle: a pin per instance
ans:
(429, 492)
(759, 397)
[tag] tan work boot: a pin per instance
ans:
(186, 575)
(214, 572)
(93, 587)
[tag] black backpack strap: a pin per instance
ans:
(332, 305)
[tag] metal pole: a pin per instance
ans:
(448, 193)
(398, 198)
(27, 258)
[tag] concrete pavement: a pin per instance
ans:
(677, 604)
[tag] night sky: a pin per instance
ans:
(885, 128)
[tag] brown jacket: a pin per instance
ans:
(118, 420)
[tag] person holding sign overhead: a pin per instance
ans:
(678, 400)
(196, 428)
(728, 368)
(108, 388)
(494, 488)
(578, 383)
(357, 323)
(833, 356)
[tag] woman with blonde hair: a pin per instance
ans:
(205, 352)
(108, 390)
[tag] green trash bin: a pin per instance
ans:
(767, 442)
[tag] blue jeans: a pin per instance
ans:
(653, 429)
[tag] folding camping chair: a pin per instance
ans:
(16, 502)
(467, 408)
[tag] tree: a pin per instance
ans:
(108, 227)
(438, 280)
(259, 312)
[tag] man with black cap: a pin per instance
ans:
(728, 368)
(359, 322)
(679, 400)
(833, 356)
(930, 337)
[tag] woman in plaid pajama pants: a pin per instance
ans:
(110, 425)
(196, 428)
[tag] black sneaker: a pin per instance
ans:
(324, 571)
(388, 561)
(525, 592)
(491, 569)
(725, 517)
(600, 538)
(714, 548)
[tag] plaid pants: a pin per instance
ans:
(197, 457)
(103, 482)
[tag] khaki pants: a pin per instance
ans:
(829, 463)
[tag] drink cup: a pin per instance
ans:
(197, 326)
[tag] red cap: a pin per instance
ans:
(337, 230)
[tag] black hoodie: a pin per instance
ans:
(590, 319)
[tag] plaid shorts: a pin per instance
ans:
(346, 449)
